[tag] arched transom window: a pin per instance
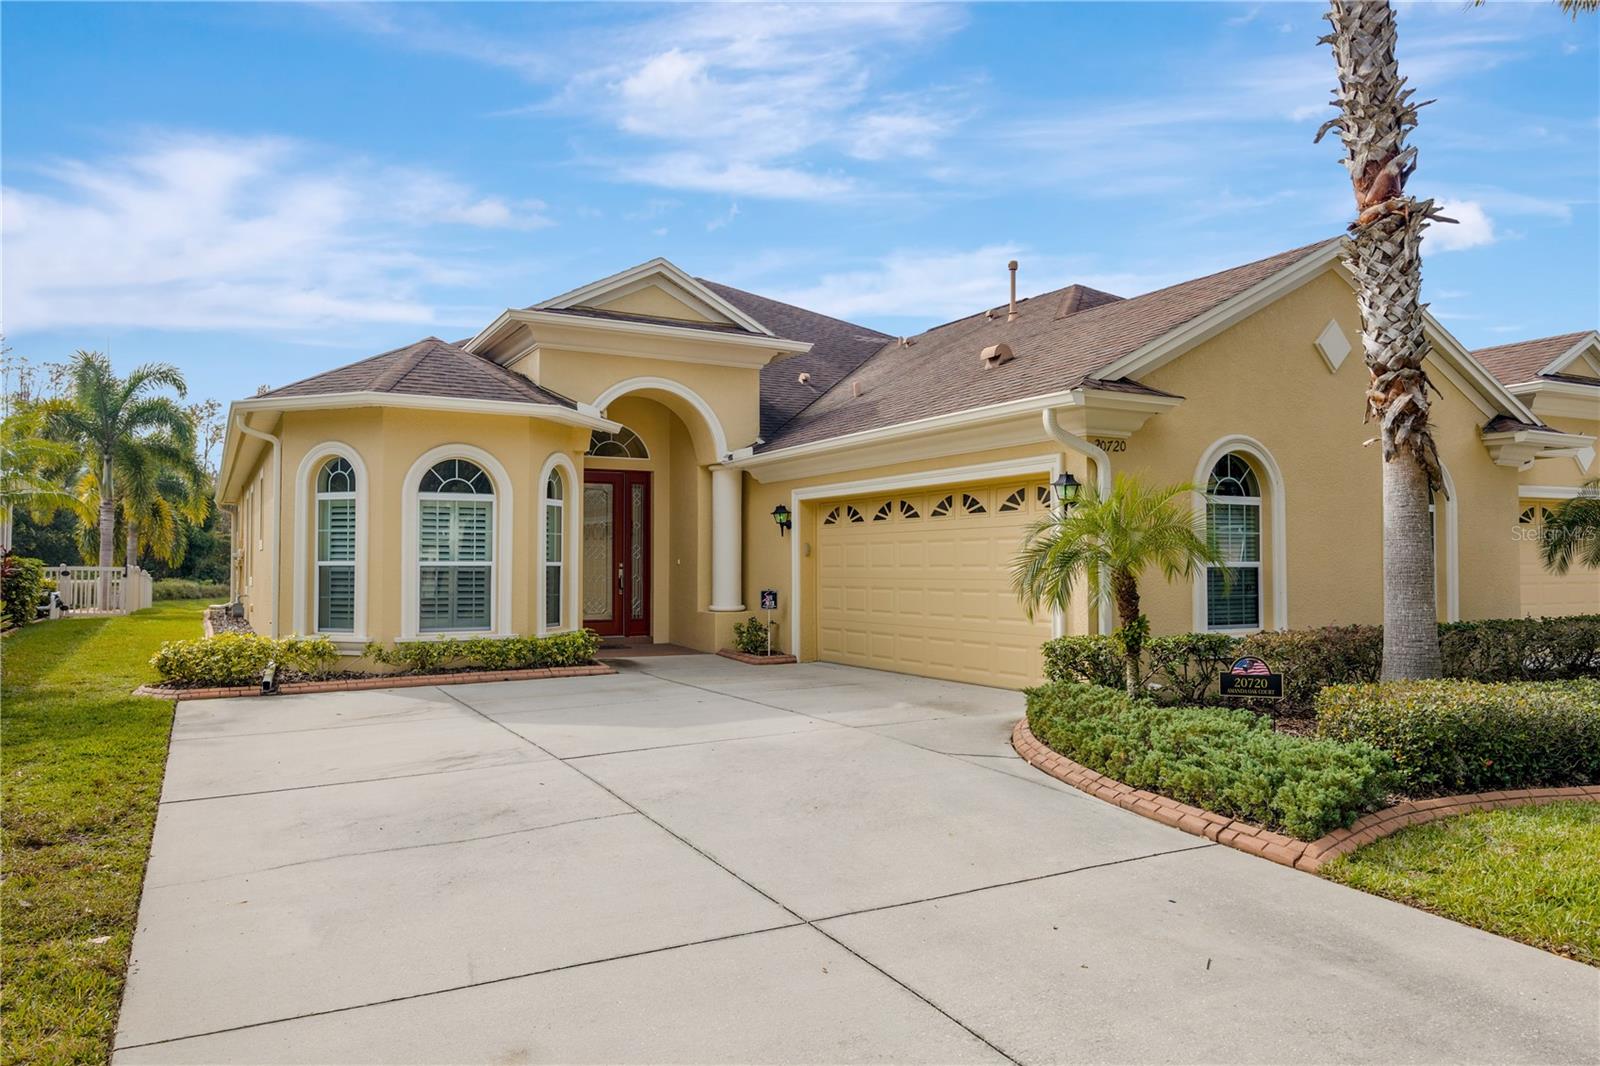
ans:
(623, 444)
(455, 547)
(336, 547)
(1233, 526)
(555, 492)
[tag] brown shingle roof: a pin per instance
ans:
(940, 372)
(654, 320)
(430, 367)
(837, 348)
(1515, 363)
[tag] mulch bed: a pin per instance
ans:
(221, 620)
(348, 682)
(774, 659)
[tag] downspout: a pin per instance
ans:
(277, 515)
(1102, 477)
(233, 556)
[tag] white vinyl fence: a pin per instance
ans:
(80, 588)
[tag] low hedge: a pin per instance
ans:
(1450, 737)
(241, 658)
(1183, 668)
(488, 653)
(1226, 760)
(183, 588)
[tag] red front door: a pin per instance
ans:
(616, 553)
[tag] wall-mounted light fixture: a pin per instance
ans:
(780, 515)
(1066, 487)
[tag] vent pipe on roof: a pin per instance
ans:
(1012, 314)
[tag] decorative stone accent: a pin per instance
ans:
(1251, 838)
(757, 660)
(355, 684)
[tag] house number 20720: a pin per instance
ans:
(1108, 444)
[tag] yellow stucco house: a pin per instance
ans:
(613, 457)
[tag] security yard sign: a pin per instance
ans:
(769, 599)
(1250, 676)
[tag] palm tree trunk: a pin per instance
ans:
(1384, 255)
(108, 533)
(1125, 590)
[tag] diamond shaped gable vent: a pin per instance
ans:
(1331, 344)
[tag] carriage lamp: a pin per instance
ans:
(1066, 487)
(780, 515)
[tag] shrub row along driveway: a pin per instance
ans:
(697, 861)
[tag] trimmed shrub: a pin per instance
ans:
(750, 636)
(240, 658)
(1092, 660)
(183, 588)
(1310, 659)
(1522, 649)
(1226, 760)
(487, 653)
(1190, 662)
(1449, 737)
(21, 589)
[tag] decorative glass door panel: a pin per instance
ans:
(616, 552)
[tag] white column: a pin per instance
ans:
(727, 539)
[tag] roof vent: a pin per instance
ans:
(855, 388)
(804, 378)
(996, 354)
(1012, 313)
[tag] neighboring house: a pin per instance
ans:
(613, 457)
(1558, 378)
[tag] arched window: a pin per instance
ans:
(336, 547)
(554, 549)
(1233, 526)
(623, 444)
(455, 548)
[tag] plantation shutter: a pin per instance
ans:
(455, 549)
(336, 572)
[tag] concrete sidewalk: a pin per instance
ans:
(699, 861)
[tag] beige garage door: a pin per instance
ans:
(920, 583)
(1543, 593)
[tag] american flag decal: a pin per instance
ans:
(1249, 665)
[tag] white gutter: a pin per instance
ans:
(1102, 478)
(277, 515)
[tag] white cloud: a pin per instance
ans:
(724, 219)
(944, 284)
(1472, 229)
(701, 173)
(194, 232)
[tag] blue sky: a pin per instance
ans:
(258, 192)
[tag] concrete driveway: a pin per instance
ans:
(700, 861)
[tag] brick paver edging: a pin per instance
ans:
(1251, 838)
(757, 660)
(292, 688)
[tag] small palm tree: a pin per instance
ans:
(112, 418)
(29, 467)
(1105, 545)
(1572, 531)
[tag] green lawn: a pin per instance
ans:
(1528, 873)
(81, 765)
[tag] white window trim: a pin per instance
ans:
(571, 510)
(306, 492)
(1261, 588)
(501, 565)
(1050, 465)
(1452, 550)
(1275, 548)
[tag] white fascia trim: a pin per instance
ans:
(1201, 328)
(1279, 546)
(304, 492)
(1030, 405)
(1041, 464)
(1460, 359)
(1571, 355)
(1552, 442)
(763, 343)
(335, 400)
(719, 438)
(1549, 492)
(571, 508)
(504, 561)
(586, 294)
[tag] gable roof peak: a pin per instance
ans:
(636, 277)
